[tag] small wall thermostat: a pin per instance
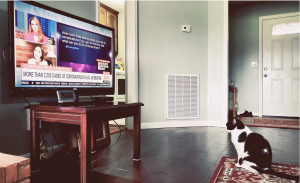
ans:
(186, 28)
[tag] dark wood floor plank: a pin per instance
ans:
(176, 175)
(174, 155)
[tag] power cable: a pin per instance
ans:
(55, 136)
(119, 135)
(27, 101)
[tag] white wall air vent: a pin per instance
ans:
(182, 96)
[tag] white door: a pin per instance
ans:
(280, 64)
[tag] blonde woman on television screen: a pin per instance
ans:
(35, 33)
(38, 57)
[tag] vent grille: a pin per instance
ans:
(182, 96)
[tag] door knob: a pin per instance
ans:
(265, 75)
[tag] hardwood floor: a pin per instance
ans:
(168, 155)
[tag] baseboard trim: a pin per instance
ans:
(253, 113)
(173, 124)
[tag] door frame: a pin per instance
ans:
(131, 53)
(260, 64)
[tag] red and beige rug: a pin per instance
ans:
(113, 129)
(227, 172)
(271, 122)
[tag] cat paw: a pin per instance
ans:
(238, 165)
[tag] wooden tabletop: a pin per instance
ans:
(81, 109)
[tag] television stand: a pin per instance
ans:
(85, 117)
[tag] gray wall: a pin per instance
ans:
(244, 46)
(14, 137)
(164, 49)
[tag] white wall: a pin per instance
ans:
(165, 49)
(131, 56)
(83, 9)
(217, 62)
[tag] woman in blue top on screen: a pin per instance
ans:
(38, 57)
(35, 33)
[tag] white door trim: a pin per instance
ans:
(131, 56)
(131, 53)
(260, 65)
(97, 18)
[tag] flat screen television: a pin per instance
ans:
(53, 50)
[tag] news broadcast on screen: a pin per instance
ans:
(53, 50)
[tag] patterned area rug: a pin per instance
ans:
(227, 172)
(115, 129)
(271, 122)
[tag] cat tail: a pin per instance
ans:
(281, 175)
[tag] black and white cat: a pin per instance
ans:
(254, 151)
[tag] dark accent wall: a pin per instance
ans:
(244, 45)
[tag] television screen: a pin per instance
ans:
(53, 50)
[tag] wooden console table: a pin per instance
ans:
(85, 117)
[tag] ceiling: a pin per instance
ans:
(117, 5)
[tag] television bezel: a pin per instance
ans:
(22, 92)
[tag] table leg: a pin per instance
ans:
(85, 149)
(234, 99)
(35, 143)
(137, 135)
